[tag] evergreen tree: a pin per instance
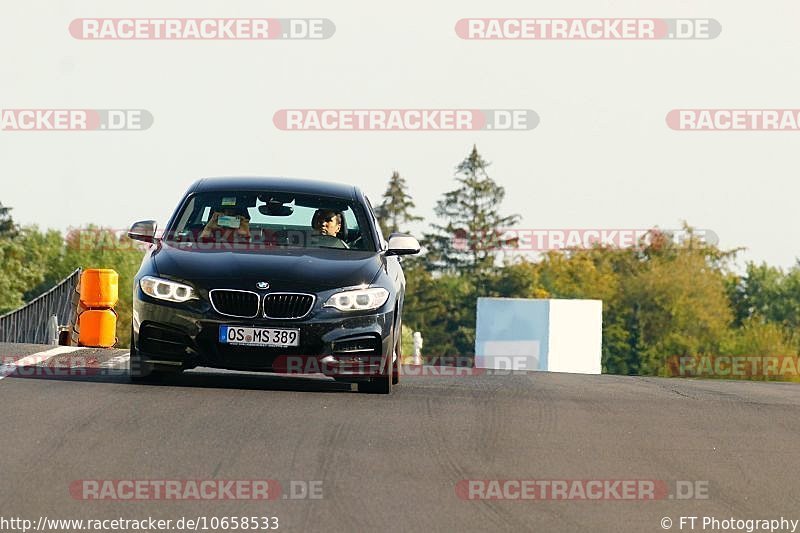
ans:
(461, 253)
(396, 206)
(7, 227)
(473, 231)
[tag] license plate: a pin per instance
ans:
(259, 336)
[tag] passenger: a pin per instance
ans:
(225, 221)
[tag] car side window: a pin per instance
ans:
(187, 212)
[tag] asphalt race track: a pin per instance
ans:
(394, 463)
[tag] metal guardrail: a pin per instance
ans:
(37, 321)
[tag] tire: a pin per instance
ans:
(398, 353)
(141, 372)
(381, 384)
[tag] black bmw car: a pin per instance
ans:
(274, 275)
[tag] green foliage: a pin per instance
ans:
(678, 306)
(767, 292)
(757, 336)
(407, 343)
(22, 269)
(516, 280)
(660, 300)
(24, 258)
(443, 309)
(35, 261)
(396, 207)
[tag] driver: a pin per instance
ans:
(329, 224)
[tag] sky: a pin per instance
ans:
(602, 155)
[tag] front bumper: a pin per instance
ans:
(335, 344)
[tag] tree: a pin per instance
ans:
(443, 293)
(440, 308)
(18, 274)
(35, 261)
(7, 227)
(518, 279)
(767, 293)
(660, 301)
(24, 259)
(471, 236)
(396, 206)
(678, 307)
(758, 337)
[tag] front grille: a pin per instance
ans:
(229, 302)
(287, 305)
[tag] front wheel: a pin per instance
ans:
(141, 372)
(381, 384)
(398, 356)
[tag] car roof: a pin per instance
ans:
(277, 184)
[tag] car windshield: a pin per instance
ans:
(266, 219)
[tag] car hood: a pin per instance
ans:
(283, 268)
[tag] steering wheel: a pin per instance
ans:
(357, 242)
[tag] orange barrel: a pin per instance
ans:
(97, 328)
(99, 287)
(80, 308)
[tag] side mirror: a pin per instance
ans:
(144, 231)
(401, 244)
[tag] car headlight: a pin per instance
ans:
(358, 300)
(164, 289)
